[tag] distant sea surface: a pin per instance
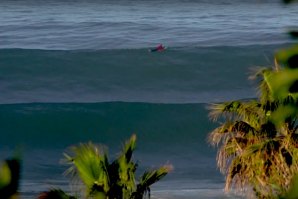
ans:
(78, 71)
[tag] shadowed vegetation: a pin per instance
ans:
(10, 170)
(290, 1)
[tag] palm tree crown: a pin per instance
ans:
(111, 180)
(255, 151)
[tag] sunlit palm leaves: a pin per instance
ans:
(89, 163)
(111, 180)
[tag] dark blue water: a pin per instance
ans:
(79, 71)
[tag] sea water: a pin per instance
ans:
(76, 71)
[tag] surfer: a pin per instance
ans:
(160, 47)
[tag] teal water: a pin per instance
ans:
(62, 124)
(177, 75)
(52, 99)
(167, 133)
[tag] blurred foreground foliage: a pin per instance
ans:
(10, 171)
(292, 193)
(289, 1)
(286, 83)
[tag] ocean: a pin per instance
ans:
(73, 71)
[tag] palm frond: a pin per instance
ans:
(264, 90)
(258, 139)
(223, 109)
(241, 110)
(127, 167)
(234, 175)
(89, 163)
(149, 178)
(267, 147)
(231, 129)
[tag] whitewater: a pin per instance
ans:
(78, 71)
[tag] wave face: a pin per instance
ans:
(173, 133)
(177, 75)
(56, 125)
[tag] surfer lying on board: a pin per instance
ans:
(160, 47)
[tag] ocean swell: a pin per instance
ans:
(177, 75)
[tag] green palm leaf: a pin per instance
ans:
(247, 111)
(90, 163)
(149, 178)
(127, 167)
(116, 180)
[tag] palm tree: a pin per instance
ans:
(115, 180)
(256, 152)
